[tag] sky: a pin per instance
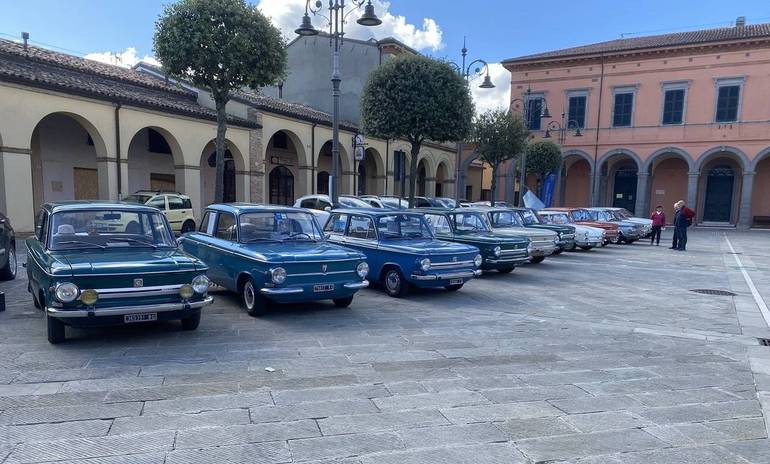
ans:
(120, 31)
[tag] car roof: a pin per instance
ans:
(438, 209)
(159, 192)
(239, 207)
(376, 211)
(81, 205)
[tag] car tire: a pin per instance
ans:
(188, 226)
(558, 251)
(343, 302)
(55, 330)
(506, 270)
(192, 322)
(537, 259)
(453, 288)
(255, 303)
(8, 272)
(574, 247)
(394, 283)
(586, 248)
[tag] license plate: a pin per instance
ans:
(323, 288)
(455, 281)
(145, 317)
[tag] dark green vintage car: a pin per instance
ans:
(470, 226)
(529, 218)
(104, 263)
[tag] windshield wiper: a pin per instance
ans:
(261, 239)
(132, 240)
(300, 234)
(81, 242)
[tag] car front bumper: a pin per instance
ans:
(306, 292)
(592, 242)
(167, 309)
(440, 279)
(541, 250)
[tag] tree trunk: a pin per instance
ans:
(219, 189)
(413, 171)
(493, 185)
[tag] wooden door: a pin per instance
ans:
(86, 182)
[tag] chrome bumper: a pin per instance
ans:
(542, 250)
(595, 243)
(296, 291)
(455, 275)
(508, 260)
(123, 310)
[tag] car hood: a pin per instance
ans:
(426, 246)
(638, 220)
(530, 233)
(298, 251)
(554, 227)
(600, 225)
(138, 261)
(489, 238)
(591, 231)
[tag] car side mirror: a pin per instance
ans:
(327, 208)
(327, 236)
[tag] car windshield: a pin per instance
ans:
(350, 202)
(403, 226)
(602, 216)
(502, 219)
(581, 215)
(136, 198)
(446, 202)
(624, 213)
(470, 222)
(528, 217)
(278, 226)
(555, 218)
(394, 203)
(109, 228)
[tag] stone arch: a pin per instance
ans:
(575, 178)
(296, 143)
(442, 176)
(754, 163)
(284, 149)
(423, 176)
(69, 160)
(151, 164)
(720, 184)
(713, 153)
(760, 194)
(618, 179)
(580, 154)
(617, 152)
(323, 165)
(371, 173)
(664, 153)
(236, 176)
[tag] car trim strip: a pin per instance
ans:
(123, 310)
(128, 292)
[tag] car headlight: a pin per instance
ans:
(201, 284)
(186, 291)
(425, 264)
(278, 275)
(89, 297)
(362, 270)
(66, 292)
(478, 260)
(497, 251)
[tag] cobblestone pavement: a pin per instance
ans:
(598, 357)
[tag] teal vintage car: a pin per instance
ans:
(274, 254)
(107, 263)
(470, 226)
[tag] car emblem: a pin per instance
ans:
(323, 268)
(454, 259)
(138, 282)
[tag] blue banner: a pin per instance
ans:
(546, 191)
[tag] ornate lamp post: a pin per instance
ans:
(523, 106)
(562, 129)
(465, 71)
(336, 22)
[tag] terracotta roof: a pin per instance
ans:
(38, 67)
(750, 31)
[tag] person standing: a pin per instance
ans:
(675, 239)
(658, 223)
(681, 223)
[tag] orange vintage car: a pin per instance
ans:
(582, 216)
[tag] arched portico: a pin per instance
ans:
(575, 179)
(619, 182)
(724, 187)
(236, 179)
(667, 170)
(371, 173)
(284, 150)
(442, 178)
(153, 156)
(324, 168)
(760, 198)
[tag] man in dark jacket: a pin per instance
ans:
(681, 222)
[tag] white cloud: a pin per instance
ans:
(500, 96)
(125, 59)
(287, 14)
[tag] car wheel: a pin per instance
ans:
(343, 302)
(188, 226)
(8, 272)
(255, 303)
(35, 301)
(192, 322)
(586, 248)
(537, 259)
(506, 270)
(55, 330)
(558, 251)
(394, 283)
(453, 288)
(574, 247)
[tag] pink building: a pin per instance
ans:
(662, 118)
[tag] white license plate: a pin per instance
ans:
(455, 281)
(323, 288)
(145, 317)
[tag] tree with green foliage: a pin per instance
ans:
(543, 158)
(499, 136)
(221, 46)
(419, 99)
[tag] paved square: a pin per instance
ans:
(591, 357)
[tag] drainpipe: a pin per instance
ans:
(594, 180)
(387, 153)
(117, 147)
(312, 159)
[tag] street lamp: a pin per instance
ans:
(523, 105)
(465, 71)
(562, 129)
(336, 22)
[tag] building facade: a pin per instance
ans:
(661, 118)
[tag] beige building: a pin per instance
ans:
(72, 128)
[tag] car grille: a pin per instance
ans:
(514, 253)
(451, 264)
(541, 242)
(567, 236)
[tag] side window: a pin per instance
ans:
(309, 203)
(336, 224)
(186, 203)
(422, 203)
(226, 229)
(438, 223)
(158, 202)
(175, 202)
(40, 224)
(323, 204)
(361, 227)
(206, 222)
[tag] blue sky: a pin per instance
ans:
(496, 29)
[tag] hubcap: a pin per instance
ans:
(12, 261)
(248, 295)
(392, 281)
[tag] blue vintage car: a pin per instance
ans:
(274, 253)
(107, 263)
(402, 251)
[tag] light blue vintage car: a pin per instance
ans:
(274, 254)
(402, 251)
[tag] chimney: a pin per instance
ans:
(740, 21)
(25, 37)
